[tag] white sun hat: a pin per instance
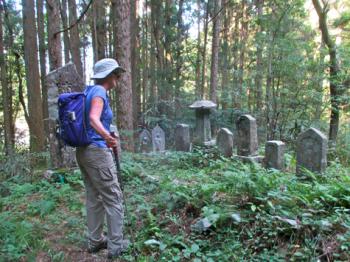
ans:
(104, 67)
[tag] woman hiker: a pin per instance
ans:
(103, 193)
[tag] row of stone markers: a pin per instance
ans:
(152, 141)
(155, 140)
(311, 147)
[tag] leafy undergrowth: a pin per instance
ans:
(246, 213)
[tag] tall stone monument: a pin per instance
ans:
(62, 80)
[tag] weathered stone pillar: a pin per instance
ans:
(158, 139)
(312, 151)
(145, 141)
(62, 80)
(247, 139)
(182, 138)
(274, 154)
(202, 135)
(224, 142)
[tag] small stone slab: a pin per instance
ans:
(247, 136)
(224, 142)
(145, 141)
(182, 138)
(158, 139)
(312, 146)
(201, 225)
(274, 154)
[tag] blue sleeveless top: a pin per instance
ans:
(106, 115)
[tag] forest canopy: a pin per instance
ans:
(286, 63)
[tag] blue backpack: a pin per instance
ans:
(73, 119)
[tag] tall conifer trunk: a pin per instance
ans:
(36, 127)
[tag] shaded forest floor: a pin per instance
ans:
(186, 207)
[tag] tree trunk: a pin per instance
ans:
(42, 56)
(166, 89)
(6, 94)
(269, 78)
(12, 109)
(84, 42)
(157, 26)
(36, 128)
(179, 60)
(100, 28)
(153, 96)
(259, 61)
(110, 35)
(92, 20)
(215, 52)
(54, 39)
(243, 39)
(145, 71)
(135, 62)
(74, 37)
(225, 61)
(198, 59)
(123, 55)
(204, 52)
(334, 71)
(236, 97)
(318, 109)
(63, 11)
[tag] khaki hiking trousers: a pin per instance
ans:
(103, 196)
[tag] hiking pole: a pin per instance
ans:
(117, 163)
(119, 177)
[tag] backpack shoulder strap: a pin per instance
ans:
(86, 102)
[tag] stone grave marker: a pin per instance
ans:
(158, 139)
(62, 80)
(312, 151)
(182, 138)
(274, 154)
(247, 138)
(202, 134)
(145, 141)
(224, 142)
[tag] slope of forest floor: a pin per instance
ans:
(185, 207)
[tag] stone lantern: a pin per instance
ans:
(202, 133)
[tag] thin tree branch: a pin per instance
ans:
(221, 9)
(78, 20)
